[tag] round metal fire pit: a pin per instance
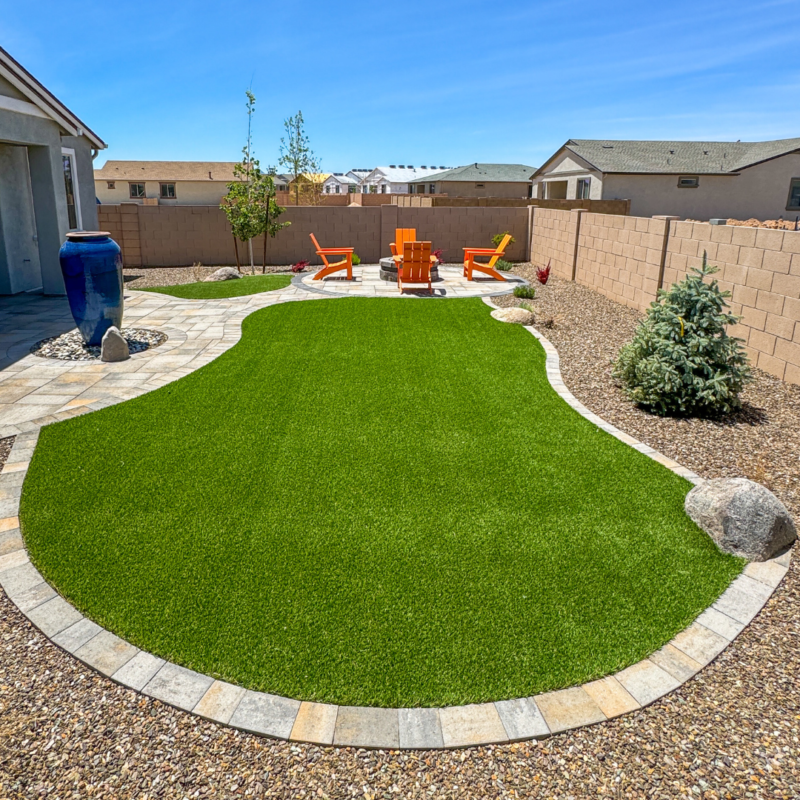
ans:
(389, 270)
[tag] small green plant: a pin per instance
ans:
(527, 307)
(497, 238)
(504, 266)
(681, 361)
(356, 260)
(526, 292)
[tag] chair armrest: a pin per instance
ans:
(333, 251)
(481, 251)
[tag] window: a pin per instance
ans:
(383, 189)
(688, 182)
(136, 189)
(479, 186)
(583, 189)
(327, 190)
(168, 191)
(71, 189)
(338, 189)
(432, 188)
(112, 185)
(794, 195)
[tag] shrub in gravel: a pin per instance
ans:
(681, 361)
(526, 292)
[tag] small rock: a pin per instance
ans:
(114, 347)
(223, 274)
(516, 314)
(742, 517)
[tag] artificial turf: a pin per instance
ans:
(370, 501)
(213, 290)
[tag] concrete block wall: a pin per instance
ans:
(621, 256)
(553, 239)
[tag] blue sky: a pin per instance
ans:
(436, 82)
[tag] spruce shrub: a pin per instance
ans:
(681, 361)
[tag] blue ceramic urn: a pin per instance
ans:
(92, 267)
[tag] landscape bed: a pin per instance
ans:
(368, 502)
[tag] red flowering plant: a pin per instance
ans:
(299, 266)
(543, 273)
(438, 255)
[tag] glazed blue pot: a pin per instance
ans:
(91, 264)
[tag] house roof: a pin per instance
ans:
(404, 174)
(489, 173)
(342, 179)
(166, 171)
(44, 100)
(695, 158)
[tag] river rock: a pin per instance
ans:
(223, 274)
(516, 314)
(742, 517)
(114, 347)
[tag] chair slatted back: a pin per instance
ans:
(416, 267)
(318, 248)
(501, 250)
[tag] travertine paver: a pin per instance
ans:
(219, 324)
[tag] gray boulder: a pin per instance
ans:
(223, 274)
(518, 315)
(114, 347)
(742, 517)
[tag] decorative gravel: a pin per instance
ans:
(143, 277)
(71, 347)
(731, 732)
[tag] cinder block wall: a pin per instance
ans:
(553, 240)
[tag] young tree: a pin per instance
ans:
(250, 204)
(299, 159)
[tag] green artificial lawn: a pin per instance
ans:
(249, 284)
(370, 501)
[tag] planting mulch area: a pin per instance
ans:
(143, 277)
(760, 442)
(731, 732)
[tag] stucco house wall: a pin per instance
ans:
(35, 130)
(760, 191)
(571, 169)
(187, 193)
(488, 189)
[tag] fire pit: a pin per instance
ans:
(389, 270)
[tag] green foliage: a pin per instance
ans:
(497, 238)
(300, 160)
(527, 292)
(249, 284)
(681, 360)
(250, 205)
(356, 260)
(503, 266)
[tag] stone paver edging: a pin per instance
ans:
(411, 728)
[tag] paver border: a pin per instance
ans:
(269, 715)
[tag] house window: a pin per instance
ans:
(688, 182)
(327, 190)
(583, 189)
(338, 189)
(373, 189)
(479, 186)
(383, 189)
(136, 189)
(351, 189)
(794, 195)
(168, 191)
(111, 184)
(432, 188)
(71, 189)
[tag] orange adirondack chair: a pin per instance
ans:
(401, 236)
(416, 265)
(324, 252)
(470, 264)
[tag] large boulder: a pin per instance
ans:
(224, 274)
(519, 315)
(742, 517)
(114, 347)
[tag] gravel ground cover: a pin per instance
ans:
(145, 277)
(454, 582)
(760, 442)
(71, 346)
(731, 732)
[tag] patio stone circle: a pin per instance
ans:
(385, 728)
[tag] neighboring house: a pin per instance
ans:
(175, 183)
(695, 180)
(479, 180)
(395, 179)
(46, 184)
(358, 176)
(339, 183)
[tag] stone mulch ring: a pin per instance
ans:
(71, 347)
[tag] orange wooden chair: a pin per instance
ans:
(324, 252)
(416, 265)
(401, 236)
(470, 264)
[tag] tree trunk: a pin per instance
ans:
(250, 251)
(264, 260)
(236, 248)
